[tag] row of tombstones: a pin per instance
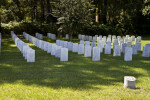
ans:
(109, 38)
(39, 36)
(53, 49)
(27, 52)
(51, 36)
(86, 49)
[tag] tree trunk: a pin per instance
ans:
(34, 10)
(48, 11)
(105, 12)
(70, 36)
(0, 23)
(42, 11)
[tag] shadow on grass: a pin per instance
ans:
(78, 73)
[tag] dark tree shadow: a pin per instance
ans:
(78, 73)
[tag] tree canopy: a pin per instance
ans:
(76, 16)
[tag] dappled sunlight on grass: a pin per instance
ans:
(143, 61)
(80, 76)
(13, 45)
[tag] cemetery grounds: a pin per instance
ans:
(80, 78)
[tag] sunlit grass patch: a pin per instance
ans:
(79, 78)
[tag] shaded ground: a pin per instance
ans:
(79, 78)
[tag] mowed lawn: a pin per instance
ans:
(78, 79)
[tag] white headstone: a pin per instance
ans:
(128, 54)
(75, 47)
(49, 48)
(64, 54)
(107, 49)
(53, 49)
(70, 46)
(58, 51)
(81, 41)
(87, 42)
(87, 52)
(117, 51)
(96, 54)
(31, 55)
(134, 49)
(81, 49)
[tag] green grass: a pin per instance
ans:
(80, 78)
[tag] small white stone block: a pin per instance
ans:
(129, 82)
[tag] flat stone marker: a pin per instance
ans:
(107, 49)
(53, 50)
(129, 82)
(96, 54)
(64, 54)
(117, 51)
(81, 49)
(87, 52)
(128, 54)
(30, 55)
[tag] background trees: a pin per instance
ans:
(76, 16)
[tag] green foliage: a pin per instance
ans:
(30, 27)
(146, 9)
(73, 14)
